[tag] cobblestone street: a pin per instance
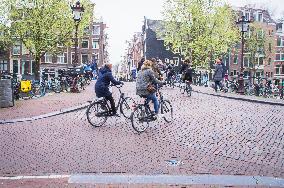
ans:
(209, 135)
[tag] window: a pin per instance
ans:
(279, 42)
(279, 56)
(282, 72)
(269, 61)
(16, 49)
(176, 61)
(85, 44)
(16, 69)
(48, 58)
(236, 59)
(269, 47)
(86, 30)
(60, 58)
(260, 17)
(260, 60)
(85, 58)
(3, 65)
(96, 30)
(96, 44)
(235, 72)
(246, 61)
(277, 69)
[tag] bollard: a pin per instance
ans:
(6, 93)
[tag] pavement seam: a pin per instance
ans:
(48, 115)
(242, 99)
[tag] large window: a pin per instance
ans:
(48, 58)
(85, 44)
(260, 17)
(260, 60)
(3, 65)
(277, 69)
(16, 49)
(96, 44)
(279, 56)
(16, 69)
(96, 30)
(280, 42)
(85, 58)
(235, 59)
(246, 61)
(61, 58)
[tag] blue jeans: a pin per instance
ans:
(152, 97)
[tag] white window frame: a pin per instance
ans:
(18, 45)
(258, 13)
(4, 65)
(176, 60)
(97, 46)
(246, 56)
(279, 69)
(72, 54)
(281, 56)
(84, 40)
(61, 57)
(281, 43)
(46, 57)
(249, 15)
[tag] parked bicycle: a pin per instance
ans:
(99, 110)
(142, 115)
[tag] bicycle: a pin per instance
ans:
(142, 115)
(99, 110)
(187, 88)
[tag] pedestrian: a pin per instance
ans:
(144, 84)
(102, 86)
(218, 75)
(140, 64)
(158, 74)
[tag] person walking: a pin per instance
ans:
(102, 85)
(146, 79)
(218, 75)
(140, 64)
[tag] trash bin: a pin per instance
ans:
(6, 93)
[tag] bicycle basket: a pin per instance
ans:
(26, 86)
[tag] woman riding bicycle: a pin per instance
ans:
(102, 85)
(145, 78)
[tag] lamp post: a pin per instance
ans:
(243, 24)
(77, 11)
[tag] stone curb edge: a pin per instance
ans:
(51, 114)
(230, 180)
(241, 99)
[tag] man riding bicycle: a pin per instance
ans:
(102, 85)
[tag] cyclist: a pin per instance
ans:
(170, 72)
(145, 78)
(187, 73)
(102, 86)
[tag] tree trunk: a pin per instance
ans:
(37, 67)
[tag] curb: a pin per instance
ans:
(51, 114)
(196, 179)
(241, 99)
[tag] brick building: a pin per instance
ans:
(92, 47)
(279, 55)
(263, 66)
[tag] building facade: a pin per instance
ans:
(279, 55)
(91, 48)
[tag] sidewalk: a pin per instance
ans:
(210, 91)
(47, 104)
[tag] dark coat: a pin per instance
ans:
(218, 75)
(103, 82)
(188, 74)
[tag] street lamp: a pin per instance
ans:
(243, 24)
(77, 11)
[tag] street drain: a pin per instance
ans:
(173, 162)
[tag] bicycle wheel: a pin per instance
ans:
(140, 119)
(167, 110)
(97, 114)
(188, 90)
(126, 107)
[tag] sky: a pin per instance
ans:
(125, 17)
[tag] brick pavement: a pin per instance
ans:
(209, 135)
(46, 104)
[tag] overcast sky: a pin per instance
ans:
(124, 17)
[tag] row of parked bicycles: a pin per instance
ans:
(262, 87)
(71, 80)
